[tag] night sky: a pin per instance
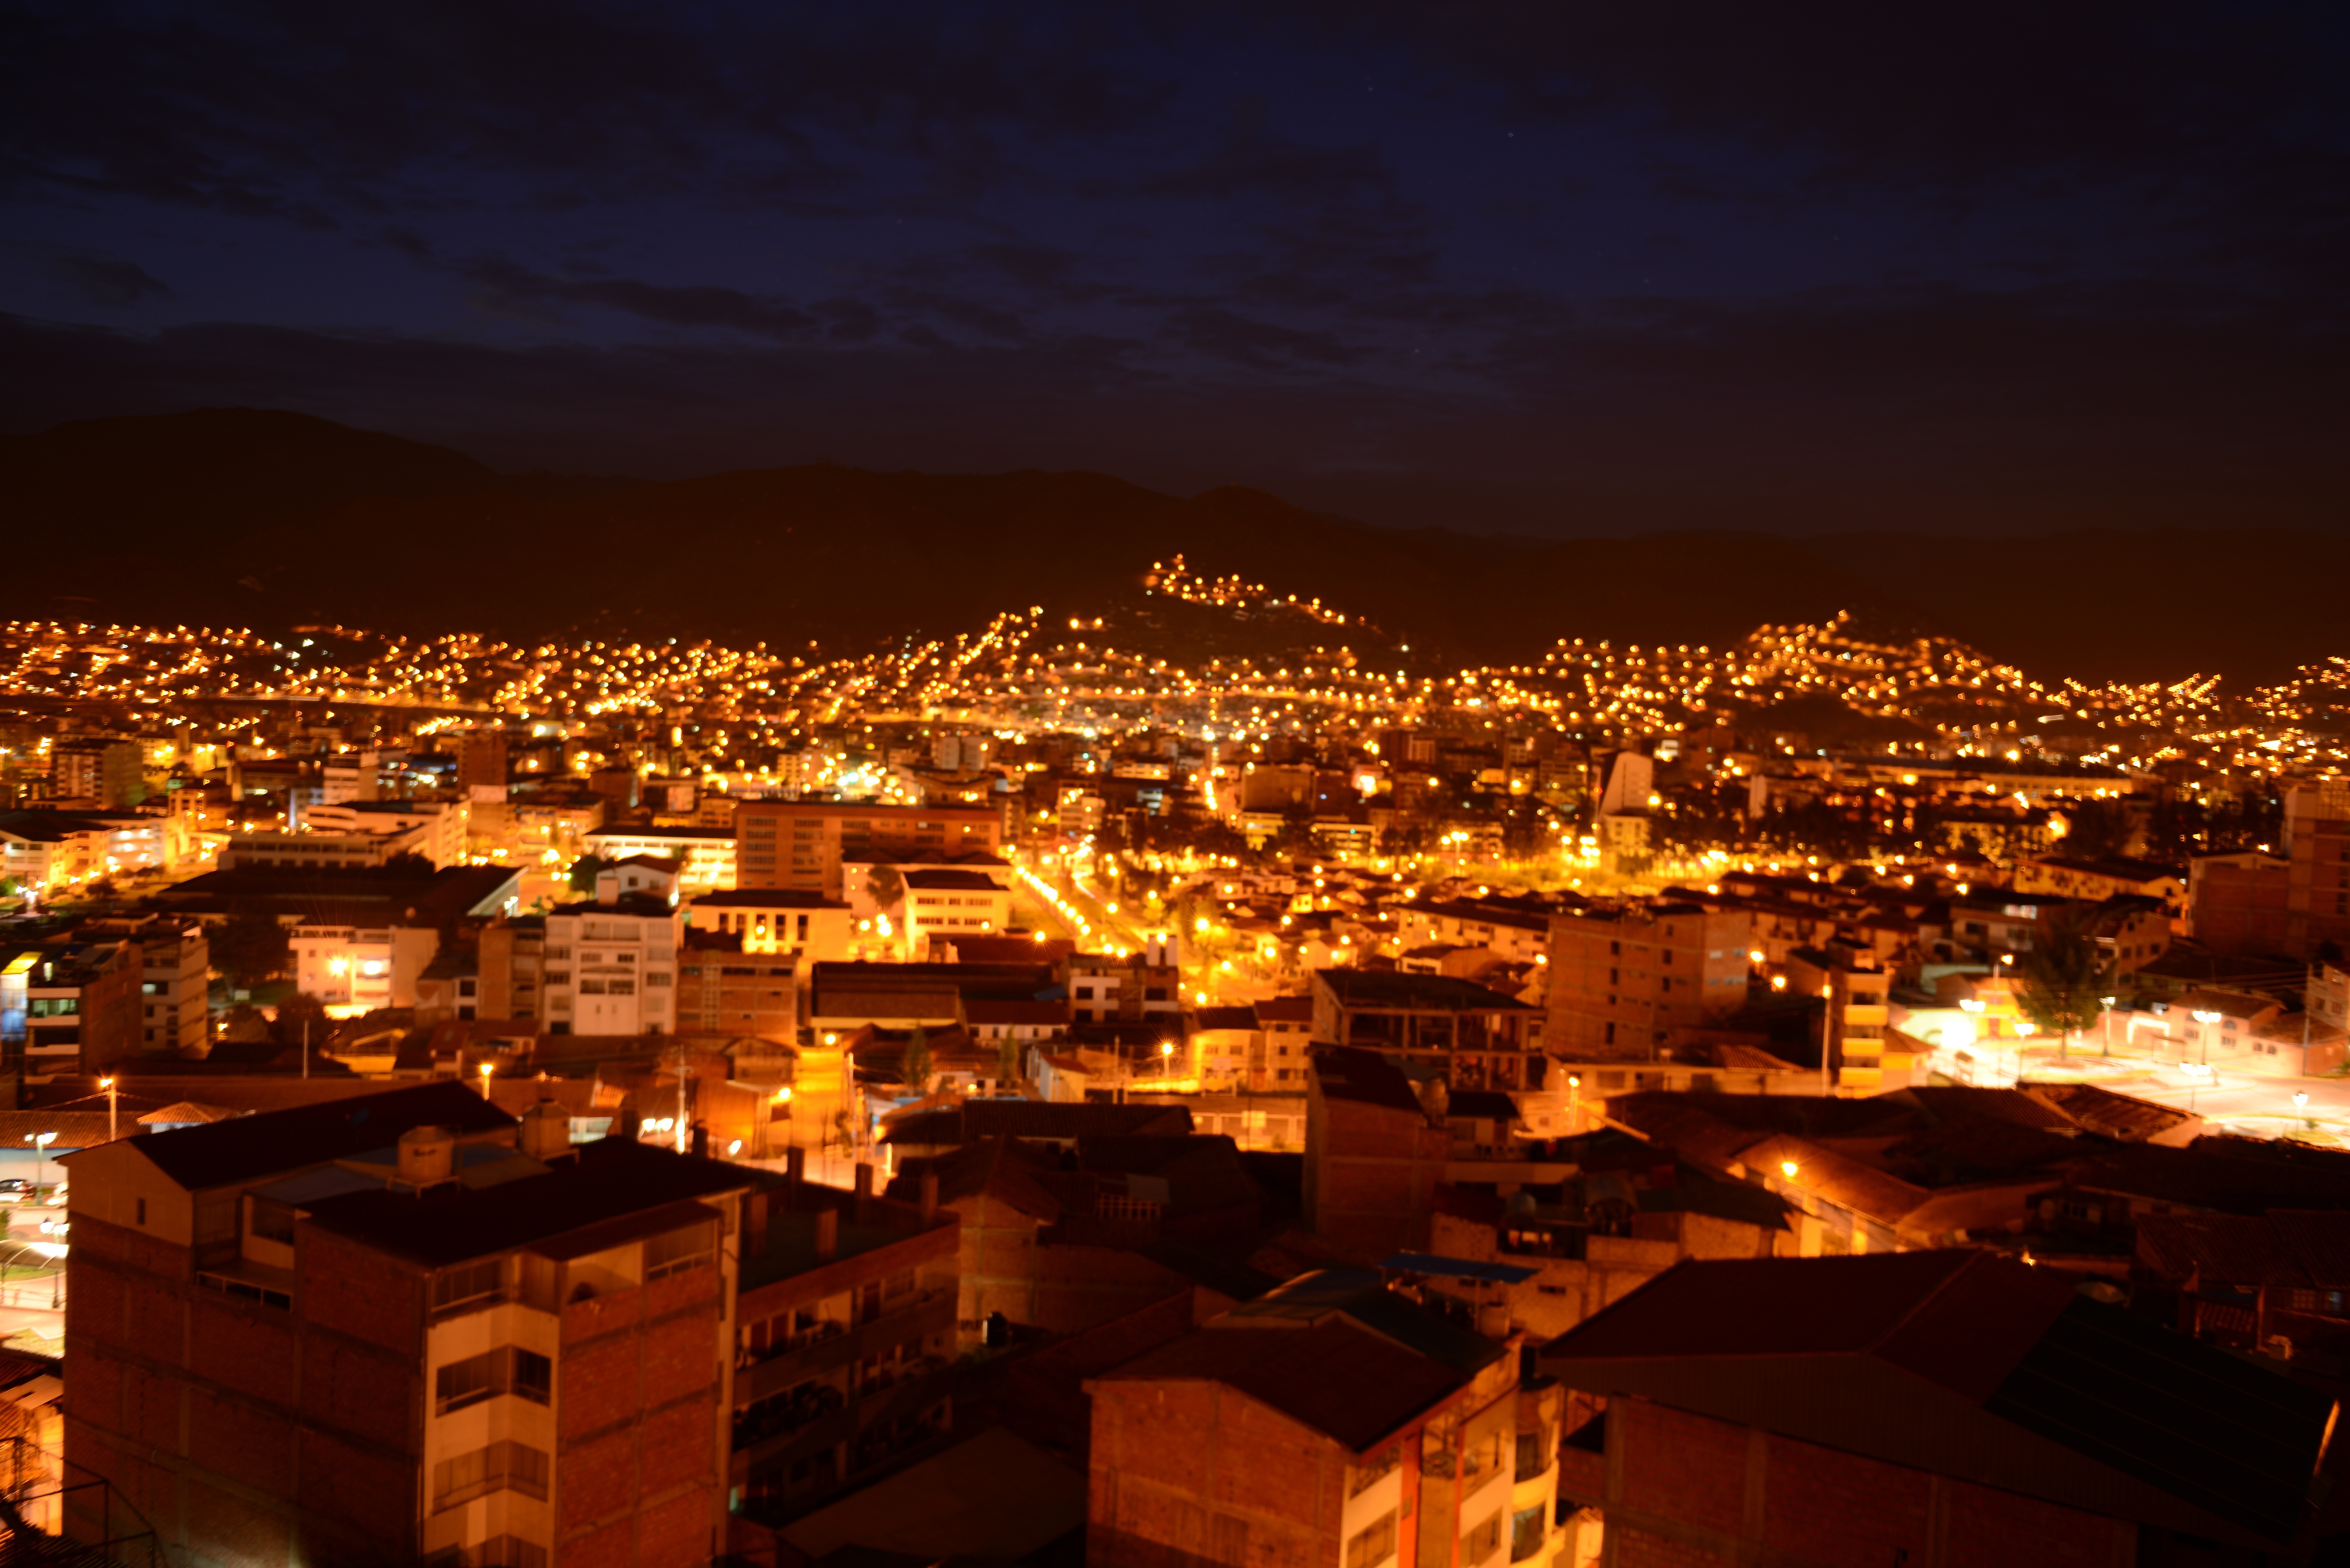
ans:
(1573, 268)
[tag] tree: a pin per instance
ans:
(250, 948)
(915, 1067)
(1007, 1060)
(584, 872)
(2097, 830)
(886, 886)
(2060, 983)
(409, 863)
(243, 1024)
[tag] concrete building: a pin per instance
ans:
(801, 844)
(1861, 1054)
(612, 969)
(1473, 1037)
(435, 829)
(707, 853)
(1925, 1407)
(2240, 902)
(1332, 1423)
(946, 904)
(98, 774)
(1627, 981)
(775, 920)
(175, 978)
(50, 851)
(70, 1006)
(400, 1328)
(510, 968)
(354, 970)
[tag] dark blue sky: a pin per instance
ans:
(1548, 266)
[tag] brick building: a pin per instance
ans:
(1926, 1407)
(400, 1326)
(722, 989)
(1374, 1155)
(1331, 1422)
(802, 844)
(1626, 980)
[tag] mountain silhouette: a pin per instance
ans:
(273, 519)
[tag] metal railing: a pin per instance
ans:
(57, 1513)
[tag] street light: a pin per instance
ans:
(108, 1085)
(2203, 1035)
(486, 1069)
(2301, 1103)
(40, 1142)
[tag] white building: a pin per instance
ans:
(953, 904)
(612, 969)
(356, 969)
(708, 852)
(433, 829)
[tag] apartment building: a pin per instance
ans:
(1331, 1423)
(175, 977)
(1625, 980)
(722, 989)
(610, 968)
(845, 1340)
(1476, 1037)
(70, 1006)
(1862, 1056)
(1147, 987)
(354, 969)
(509, 965)
(103, 774)
(402, 1327)
(802, 844)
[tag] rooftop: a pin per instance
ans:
(1376, 988)
(246, 1148)
(1968, 1364)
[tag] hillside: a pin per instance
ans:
(273, 519)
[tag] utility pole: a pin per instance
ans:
(306, 1047)
(111, 1104)
(683, 1138)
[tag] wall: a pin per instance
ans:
(1688, 1490)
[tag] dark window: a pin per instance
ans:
(505, 1370)
(502, 1466)
(469, 1285)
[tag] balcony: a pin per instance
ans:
(919, 1317)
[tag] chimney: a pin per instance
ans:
(827, 1234)
(863, 1190)
(755, 1224)
(929, 1196)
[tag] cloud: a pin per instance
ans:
(1259, 345)
(114, 285)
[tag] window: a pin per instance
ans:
(1374, 1544)
(1484, 1540)
(678, 1250)
(142, 1211)
(470, 1285)
(505, 1370)
(1373, 1470)
(502, 1466)
(1526, 1532)
(273, 1220)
